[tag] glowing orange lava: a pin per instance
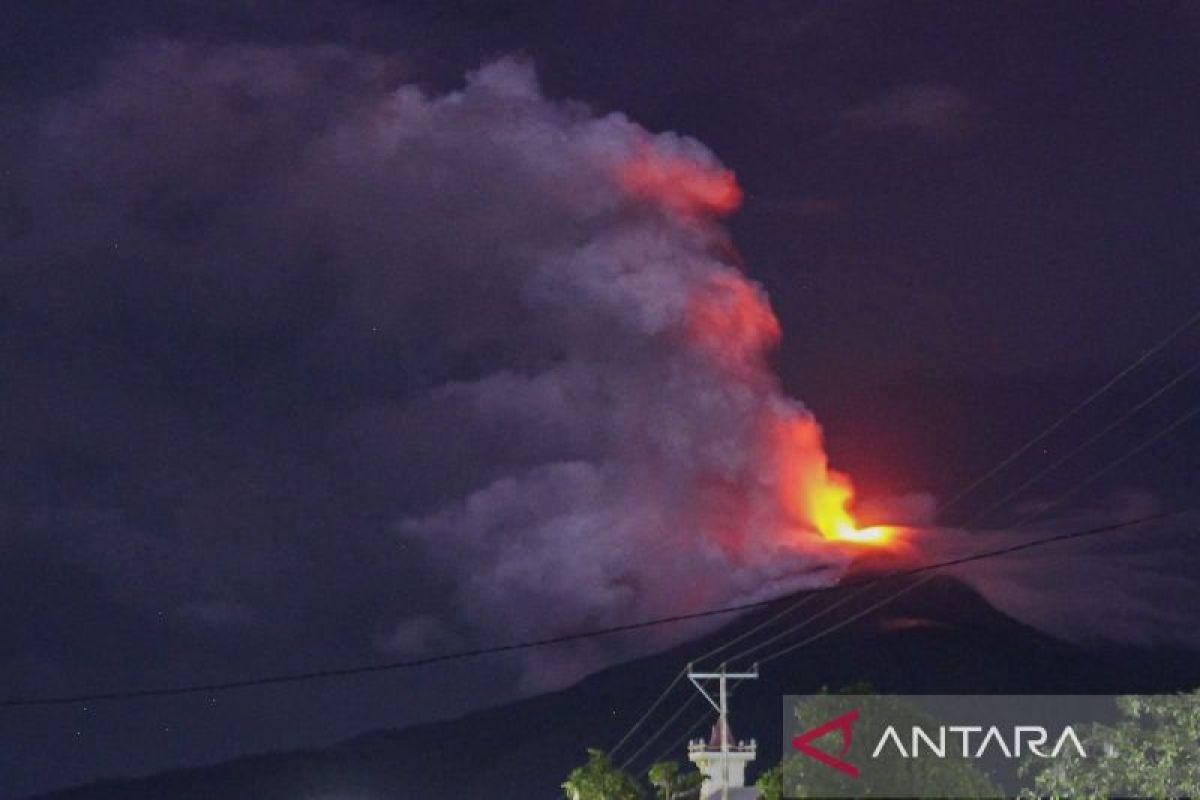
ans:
(815, 495)
(830, 513)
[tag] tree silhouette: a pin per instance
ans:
(599, 779)
(672, 783)
(1153, 752)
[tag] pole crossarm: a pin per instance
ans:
(697, 677)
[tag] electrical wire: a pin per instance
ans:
(1090, 441)
(804, 600)
(704, 715)
(1028, 483)
(659, 732)
(641, 720)
(789, 609)
(913, 585)
(1058, 423)
(294, 677)
(928, 571)
(848, 620)
(1146, 355)
(687, 734)
(858, 591)
(1056, 502)
(796, 606)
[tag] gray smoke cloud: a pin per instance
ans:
(520, 323)
(309, 351)
(309, 363)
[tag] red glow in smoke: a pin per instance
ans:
(730, 321)
(680, 183)
(729, 318)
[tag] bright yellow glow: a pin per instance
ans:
(815, 495)
(831, 515)
(876, 534)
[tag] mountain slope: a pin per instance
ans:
(941, 637)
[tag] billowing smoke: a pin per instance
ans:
(305, 364)
(309, 351)
(644, 460)
(520, 323)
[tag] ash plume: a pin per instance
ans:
(517, 324)
(313, 353)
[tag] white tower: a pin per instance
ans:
(721, 759)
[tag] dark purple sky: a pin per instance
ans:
(966, 215)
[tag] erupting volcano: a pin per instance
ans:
(639, 454)
(730, 321)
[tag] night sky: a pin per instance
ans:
(229, 354)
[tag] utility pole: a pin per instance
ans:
(721, 704)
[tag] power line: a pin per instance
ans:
(930, 574)
(903, 590)
(769, 621)
(908, 587)
(679, 711)
(977, 517)
(915, 584)
(804, 623)
(1146, 444)
(1179, 421)
(805, 599)
(956, 498)
(819, 635)
(1058, 423)
(1090, 441)
(864, 585)
(861, 587)
(296, 677)
(666, 751)
(674, 681)
(911, 586)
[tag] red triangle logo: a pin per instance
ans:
(845, 724)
